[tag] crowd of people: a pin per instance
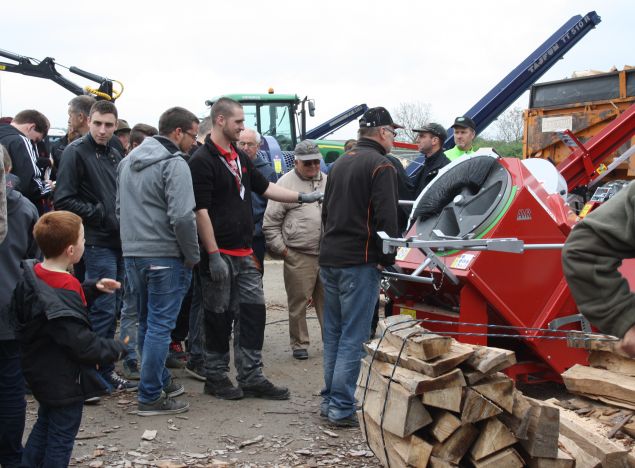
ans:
(161, 233)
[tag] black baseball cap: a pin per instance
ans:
(436, 129)
(464, 122)
(377, 117)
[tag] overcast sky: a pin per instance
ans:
(340, 53)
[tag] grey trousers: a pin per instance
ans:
(237, 304)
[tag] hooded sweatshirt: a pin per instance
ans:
(155, 203)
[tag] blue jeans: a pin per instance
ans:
(12, 404)
(350, 295)
(159, 284)
(128, 326)
(51, 441)
(102, 262)
(196, 340)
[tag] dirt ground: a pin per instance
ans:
(243, 433)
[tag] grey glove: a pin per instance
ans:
(218, 269)
(310, 197)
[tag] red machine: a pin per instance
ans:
(485, 248)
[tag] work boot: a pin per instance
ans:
(223, 389)
(266, 390)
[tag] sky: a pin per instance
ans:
(339, 53)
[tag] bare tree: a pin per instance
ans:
(411, 115)
(510, 124)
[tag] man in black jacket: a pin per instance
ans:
(360, 200)
(87, 186)
(223, 178)
(19, 245)
(20, 137)
(430, 139)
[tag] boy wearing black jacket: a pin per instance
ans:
(59, 350)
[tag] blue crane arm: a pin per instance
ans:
(510, 88)
(336, 122)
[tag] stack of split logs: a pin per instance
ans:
(429, 400)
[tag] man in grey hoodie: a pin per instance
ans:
(155, 203)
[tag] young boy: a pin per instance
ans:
(59, 350)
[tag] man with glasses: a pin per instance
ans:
(360, 200)
(249, 142)
(294, 232)
(20, 138)
(155, 202)
(430, 139)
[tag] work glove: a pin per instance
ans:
(310, 197)
(218, 269)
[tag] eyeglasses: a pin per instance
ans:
(192, 136)
(311, 162)
(247, 143)
(394, 134)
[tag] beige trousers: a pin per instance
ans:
(302, 282)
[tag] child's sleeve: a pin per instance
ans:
(83, 344)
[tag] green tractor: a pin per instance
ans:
(281, 120)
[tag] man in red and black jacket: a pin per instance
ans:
(360, 200)
(231, 283)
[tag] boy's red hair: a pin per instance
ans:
(55, 231)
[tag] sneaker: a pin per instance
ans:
(266, 390)
(223, 389)
(195, 370)
(120, 384)
(349, 421)
(131, 370)
(163, 405)
(176, 356)
(173, 389)
(300, 354)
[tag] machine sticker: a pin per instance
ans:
(402, 253)
(524, 214)
(410, 312)
(277, 165)
(462, 262)
(557, 124)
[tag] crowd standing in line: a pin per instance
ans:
(165, 229)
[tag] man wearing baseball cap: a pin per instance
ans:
(430, 139)
(464, 134)
(360, 200)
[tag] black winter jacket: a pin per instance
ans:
(360, 200)
(87, 186)
(58, 348)
(430, 170)
(215, 190)
(17, 246)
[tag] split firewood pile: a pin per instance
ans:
(446, 404)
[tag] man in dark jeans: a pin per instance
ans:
(18, 245)
(87, 186)
(223, 178)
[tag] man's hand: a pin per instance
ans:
(108, 285)
(626, 345)
(310, 197)
(218, 269)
